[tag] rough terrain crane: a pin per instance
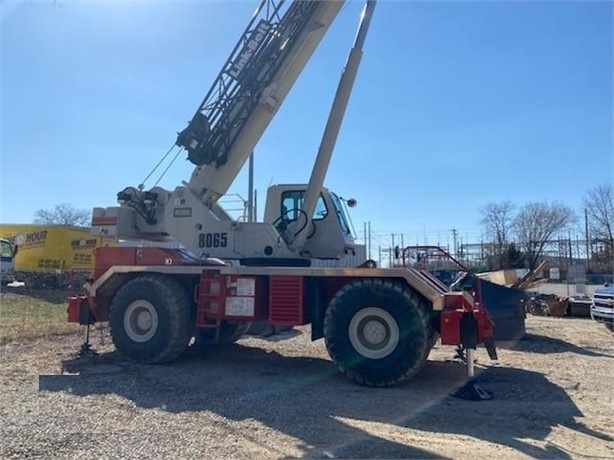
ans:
(379, 325)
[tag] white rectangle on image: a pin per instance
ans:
(240, 306)
(246, 286)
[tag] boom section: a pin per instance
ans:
(262, 68)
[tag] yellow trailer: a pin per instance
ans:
(52, 249)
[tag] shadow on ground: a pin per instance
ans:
(535, 343)
(308, 399)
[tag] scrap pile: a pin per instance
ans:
(536, 304)
(546, 305)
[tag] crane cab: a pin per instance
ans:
(328, 234)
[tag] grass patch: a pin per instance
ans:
(24, 317)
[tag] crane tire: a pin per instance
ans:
(377, 332)
(151, 320)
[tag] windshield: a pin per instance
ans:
(340, 213)
(5, 250)
(292, 203)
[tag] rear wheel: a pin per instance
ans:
(377, 332)
(150, 319)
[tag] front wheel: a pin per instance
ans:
(150, 319)
(377, 332)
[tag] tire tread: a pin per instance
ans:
(173, 298)
(355, 291)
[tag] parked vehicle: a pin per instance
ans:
(602, 306)
(7, 258)
(50, 255)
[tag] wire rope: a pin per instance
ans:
(142, 185)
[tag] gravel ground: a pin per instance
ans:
(283, 398)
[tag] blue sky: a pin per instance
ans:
(456, 104)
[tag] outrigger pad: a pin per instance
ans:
(86, 351)
(472, 392)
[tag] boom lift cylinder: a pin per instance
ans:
(325, 152)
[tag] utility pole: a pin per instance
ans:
(569, 248)
(369, 248)
(250, 191)
(393, 252)
(588, 241)
(455, 241)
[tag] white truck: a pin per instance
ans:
(378, 324)
(7, 262)
(602, 306)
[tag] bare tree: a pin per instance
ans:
(599, 205)
(536, 224)
(63, 214)
(496, 219)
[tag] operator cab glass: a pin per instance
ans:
(340, 213)
(292, 202)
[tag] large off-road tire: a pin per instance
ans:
(229, 333)
(377, 332)
(150, 319)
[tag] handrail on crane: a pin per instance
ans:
(478, 295)
(406, 250)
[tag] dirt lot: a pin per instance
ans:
(282, 398)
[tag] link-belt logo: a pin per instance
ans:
(249, 49)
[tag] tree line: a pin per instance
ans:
(517, 236)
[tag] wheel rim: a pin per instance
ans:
(374, 333)
(140, 321)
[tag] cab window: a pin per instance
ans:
(292, 201)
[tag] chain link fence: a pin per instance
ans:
(49, 286)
